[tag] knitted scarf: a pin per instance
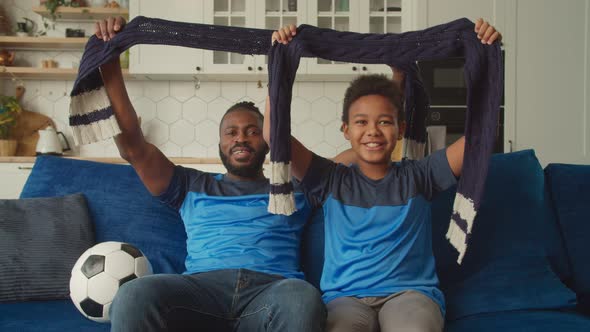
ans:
(92, 118)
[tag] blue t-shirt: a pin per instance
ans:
(378, 237)
(228, 225)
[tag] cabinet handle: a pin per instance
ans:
(250, 68)
(25, 167)
(198, 68)
(364, 68)
(354, 68)
(510, 144)
(259, 68)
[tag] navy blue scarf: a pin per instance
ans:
(92, 118)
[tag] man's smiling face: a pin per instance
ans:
(241, 146)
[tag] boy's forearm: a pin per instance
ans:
(455, 153)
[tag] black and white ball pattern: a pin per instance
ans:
(98, 274)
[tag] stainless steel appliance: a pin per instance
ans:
(445, 83)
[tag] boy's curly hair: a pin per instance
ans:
(374, 84)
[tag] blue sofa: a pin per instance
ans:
(527, 267)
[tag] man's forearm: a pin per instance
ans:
(130, 142)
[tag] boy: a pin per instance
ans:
(379, 271)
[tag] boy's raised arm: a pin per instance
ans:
(455, 152)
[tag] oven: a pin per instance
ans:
(445, 84)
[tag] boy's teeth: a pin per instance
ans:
(372, 145)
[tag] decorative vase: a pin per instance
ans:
(8, 147)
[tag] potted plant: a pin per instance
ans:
(9, 110)
(52, 5)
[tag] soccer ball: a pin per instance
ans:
(98, 274)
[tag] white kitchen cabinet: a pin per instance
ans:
(379, 16)
(261, 14)
(276, 14)
(342, 15)
(12, 179)
(181, 62)
(373, 16)
(386, 16)
(237, 13)
(155, 59)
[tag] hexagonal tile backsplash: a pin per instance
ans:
(186, 125)
(182, 119)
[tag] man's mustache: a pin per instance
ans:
(242, 146)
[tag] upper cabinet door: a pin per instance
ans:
(370, 16)
(261, 14)
(157, 59)
(274, 14)
(342, 15)
(385, 16)
(237, 13)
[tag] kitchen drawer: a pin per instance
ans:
(12, 179)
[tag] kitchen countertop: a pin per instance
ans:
(113, 160)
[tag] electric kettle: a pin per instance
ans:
(49, 142)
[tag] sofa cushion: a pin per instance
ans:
(515, 258)
(46, 316)
(40, 241)
(570, 191)
(120, 206)
(518, 321)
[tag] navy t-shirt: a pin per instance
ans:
(378, 232)
(229, 227)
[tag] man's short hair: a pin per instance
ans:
(243, 106)
(374, 84)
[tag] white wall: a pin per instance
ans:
(552, 79)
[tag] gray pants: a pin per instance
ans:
(406, 311)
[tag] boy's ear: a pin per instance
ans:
(344, 129)
(402, 130)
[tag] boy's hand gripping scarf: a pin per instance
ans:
(92, 118)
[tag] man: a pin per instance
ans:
(242, 267)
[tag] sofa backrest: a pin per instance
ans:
(120, 207)
(123, 210)
(570, 192)
(516, 257)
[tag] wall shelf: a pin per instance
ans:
(48, 43)
(81, 13)
(38, 73)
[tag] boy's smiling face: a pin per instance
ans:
(373, 129)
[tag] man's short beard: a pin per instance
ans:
(252, 170)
